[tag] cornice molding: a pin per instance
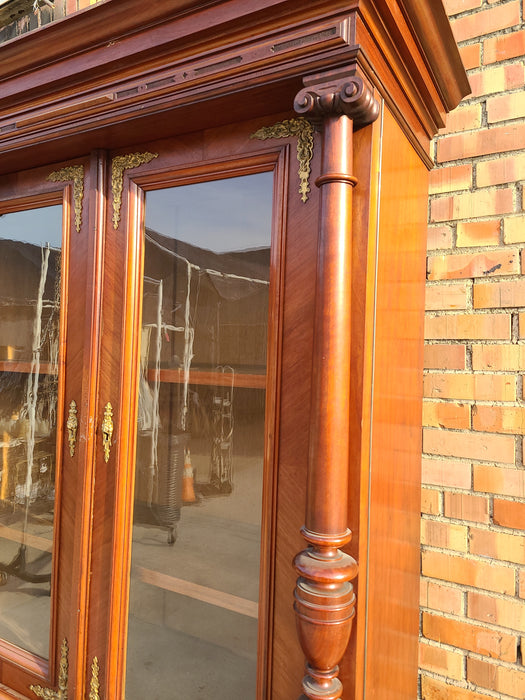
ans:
(429, 23)
(135, 63)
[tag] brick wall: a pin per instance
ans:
(30, 20)
(473, 522)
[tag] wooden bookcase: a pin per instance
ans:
(339, 101)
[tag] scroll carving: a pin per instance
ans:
(61, 693)
(118, 165)
(304, 131)
(350, 95)
(75, 173)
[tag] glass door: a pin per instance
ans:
(195, 560)
(190, 279)
(44, 266)
(30, 292)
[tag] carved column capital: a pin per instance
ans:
(350, 95)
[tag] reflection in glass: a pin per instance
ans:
(30, 263)
(198, 476)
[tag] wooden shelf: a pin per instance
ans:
(210, 378)
(36, 541)
(24, 367)
(211, 596)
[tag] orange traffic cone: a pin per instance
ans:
(188, 492)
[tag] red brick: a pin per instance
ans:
(473, 387)
(434, 689)
(446, 296)
(450, 179)
(440, 660)
(509, 514)
(496, 357)
(505, 107)
(478, 446)
(470, 56)
(500, 480)
(470, 265)
(445, 356)
(486, 22)
(499, 419)
(446, 472)
(465, 506)
(497, 545)
(470, 326)
(497, 79)
(499, 295)
(455, 7)
(430, 501)
(439, 237)
(439, 596)
(484, 142)
(484, 202)
(500, 171)
(464, 635)
(444, 535)
(501, 679)
(503, 47)
(505, 612)
(475, 233)
(449, 414)
(467, 571)
(463, 118)
(514, 229)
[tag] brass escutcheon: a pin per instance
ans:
(72, 426)
(107, 430)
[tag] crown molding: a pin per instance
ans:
(77, 81)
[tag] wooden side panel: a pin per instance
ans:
(389, 551)
(367, 143)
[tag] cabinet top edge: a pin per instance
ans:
(109, 20)
(134, 62)
(431, 26)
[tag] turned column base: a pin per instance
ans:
(324, 609)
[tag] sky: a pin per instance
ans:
(221, 215)
(36, 226)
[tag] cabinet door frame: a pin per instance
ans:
(201, 157)
(71, 534)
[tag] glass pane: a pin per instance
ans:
(198, 478)
(30, 260)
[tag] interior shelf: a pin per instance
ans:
(24, 367)
(205, 594)
(210, 378)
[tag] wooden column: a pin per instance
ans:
(324, 596)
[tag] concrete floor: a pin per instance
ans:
(183, 647)
(25, 608)
(193, 605)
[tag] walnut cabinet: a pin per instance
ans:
(212, 235)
